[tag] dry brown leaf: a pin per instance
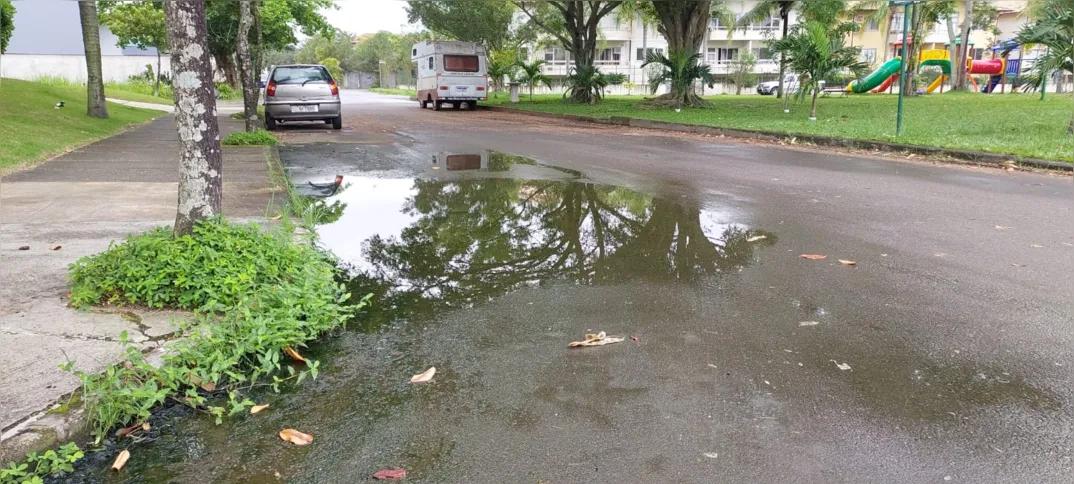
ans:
(847, 262)
(814, 256)
(125, 431)
(55, 247)
(389, 475)
(598, 339)
(424, 376)
(24, 247)
(208, 386)
(258, 408)
(755, 238)
(295, 437)
(293, 354)
(121, 460)
(276, 217)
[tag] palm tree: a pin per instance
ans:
(680, 69)
(91, 40)
(531, 75)
(501, 64)
(763, 10)
(816, 54)
(1054, 28)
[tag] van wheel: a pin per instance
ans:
(328, 121)
(270, 123)
(337, 122)
(424, 104)
(472, 105)
(438, 105)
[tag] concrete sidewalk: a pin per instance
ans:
(81, 202)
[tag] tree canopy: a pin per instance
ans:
(140, 24)
(7, 23)
(487, 22)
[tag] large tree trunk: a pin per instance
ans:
(246, 68)
(259, 56)
(200, 158)
(813, 108)
(962, 78)
(91, 39)
(226, 64)
(684, 23)
(784, 16)
(912, 49)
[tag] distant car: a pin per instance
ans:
(302, 92)
(790, 84)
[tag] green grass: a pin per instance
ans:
(394, 91)
(31, 128)
(1018, 124)
(257, 138)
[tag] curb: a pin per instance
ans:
(976, 157)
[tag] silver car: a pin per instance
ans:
(302, 92)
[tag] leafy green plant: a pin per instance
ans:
(36, 466)
(681, 70)
(334, 70)
(502, 64)
(816, 54)
(1053, 28)
(531, 74)
(226, 92)
(585, 85)
(615, 79)
(254, 294)
(244, 138)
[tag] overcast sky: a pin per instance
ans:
(367, 16)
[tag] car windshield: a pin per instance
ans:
(300, 75)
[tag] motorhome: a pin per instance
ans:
(450, 73)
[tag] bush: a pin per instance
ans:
(257, 295)
(334, 70)
(243, 138)
(51, 463)
(615, 79)
(226, 92)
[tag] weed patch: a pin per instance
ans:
(243, 138)
(37, 466)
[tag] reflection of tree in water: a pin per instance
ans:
(475, 240)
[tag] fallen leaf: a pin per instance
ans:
(258, 408)
(755, 238)
(1003, 227)
(808, 323)
(25, 247)
(146, 427)
(1036, 246)
(389, 474)
(841, 366)
(1068, 244)
(276, 217)
(424, 376)
(123, 432)
(847, 262)
(814, 256)
(121, 460)
(208, 386)
(598, 339)
(711, 455)
(293, 354)
(55, 247)
(129, 316)
(635, 339)
(1018, 265)
(295, 437)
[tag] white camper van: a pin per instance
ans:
(451, 72)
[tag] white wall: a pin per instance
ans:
(73, 67)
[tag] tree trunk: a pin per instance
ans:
(684, 23)
(813, 108)
(964, 48)
(912, 49)
(246, 68)
(200, 158)
(91, 40)
(226, 64)
(784, 14)
(259, 57)
(156, 87)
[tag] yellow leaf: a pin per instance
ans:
(258, 408)
(814, 256)
(121, 460)
(424, 376)
(295, 437)
(847, 262)
(293, 354)
(599, 339)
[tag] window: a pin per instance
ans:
(609, 56)
(726, 55)
(868, 56)
(300, 75)
(710, 55)
(641, 52)
(770, 23)
(896, 23)
(555, 55)
(461, 63)
(978, 54)
(873, 25)
(762, 54)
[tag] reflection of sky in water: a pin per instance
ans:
(374, 207)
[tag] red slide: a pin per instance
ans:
(887, 83)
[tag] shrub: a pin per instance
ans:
(585, 85)
(225, 91)
(243, 138)
(256, 295)
(51, 463)
(334, 70)
(615, 79)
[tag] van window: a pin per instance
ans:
(460, 63)
(431, 63)
(300, 75)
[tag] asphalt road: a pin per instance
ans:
(945, 354)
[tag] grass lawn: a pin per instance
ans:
(1018, 124)
(31, 128)
(397, 92)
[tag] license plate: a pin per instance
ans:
(461, 88)
(311, 108)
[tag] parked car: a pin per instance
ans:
(790, 84)
(302, 92)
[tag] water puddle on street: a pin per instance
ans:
(486, 267)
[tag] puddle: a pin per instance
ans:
(487, 264)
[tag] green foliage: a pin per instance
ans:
(37, 466)
(741, 71)
(225, 91)
(244, 138)
(332, 65)
(254, 294)
(140, 87)
(280, 21)
(681, 70)
(502, 64)
(1053, 29)
(816, 54)
(585, 84)
(615, 79)
(337, 45)
(487, 22)
(531, 74)
(140, 24)
(7, 23)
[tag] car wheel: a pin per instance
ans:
(270, 123)
(328, 121)
(337, 122)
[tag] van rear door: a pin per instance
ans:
(464, 77)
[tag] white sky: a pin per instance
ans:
(368, 16)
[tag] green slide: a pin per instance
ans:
(945, 65)
(877, 77)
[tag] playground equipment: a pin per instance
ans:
(938, 58)
(883, 75)
(888, 73)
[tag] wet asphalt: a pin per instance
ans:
(945, 354)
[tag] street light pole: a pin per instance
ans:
(902, 77)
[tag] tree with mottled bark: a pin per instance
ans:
(200, 158)
(250, 91)
(91, 40)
